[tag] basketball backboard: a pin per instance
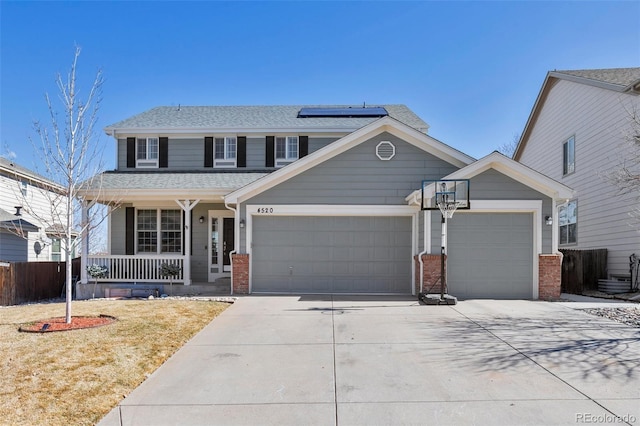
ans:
(451, 193)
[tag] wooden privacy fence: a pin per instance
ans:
(22, 282)
(581, 269)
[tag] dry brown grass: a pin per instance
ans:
(76, 377)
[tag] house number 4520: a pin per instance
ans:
(265, 209)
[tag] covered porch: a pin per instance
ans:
(164, 221)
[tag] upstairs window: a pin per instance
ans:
(147, 152)
(225, 152)
(286, 150)
(567, 222)
(569, 156)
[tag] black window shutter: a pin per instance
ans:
(131, 153)
(241, 154)
(163, 160)
(303, 146)
(270, 152)
(130, 224)
(208, 151)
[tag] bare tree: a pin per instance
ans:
(72, 159)
(509, 148)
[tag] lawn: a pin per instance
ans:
(76, 377)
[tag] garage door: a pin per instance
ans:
(302, 254)
(490, 256)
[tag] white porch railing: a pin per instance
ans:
(136, 268)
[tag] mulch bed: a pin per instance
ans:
(59, 324)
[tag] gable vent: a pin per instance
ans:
(385, 150)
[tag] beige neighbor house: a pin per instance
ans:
(577, 133)
(307, 199)
(28, 231)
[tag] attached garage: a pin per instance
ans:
(490, 255)
(332, 254)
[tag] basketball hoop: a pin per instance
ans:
(448, 209)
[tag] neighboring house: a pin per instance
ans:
(309, 199)
(577, 133)
(25, 204)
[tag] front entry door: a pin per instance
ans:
(221, 243)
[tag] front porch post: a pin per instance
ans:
(84, 257)
(187, 206)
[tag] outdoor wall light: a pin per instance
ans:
(201, 219)
(241, 223)
(548, 220)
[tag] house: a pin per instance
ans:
(576, 133)
(318, 199)
(28, 231)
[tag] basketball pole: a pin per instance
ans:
(442, 252)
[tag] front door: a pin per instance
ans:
(221, 243)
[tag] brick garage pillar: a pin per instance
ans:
(549, 276)
(432, 268)
(240, 265)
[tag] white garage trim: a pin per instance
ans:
(327, 210)
(516, 206)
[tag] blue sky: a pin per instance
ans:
(472, 70)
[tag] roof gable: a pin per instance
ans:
(623, 80)
(512, 169)
(385, 124)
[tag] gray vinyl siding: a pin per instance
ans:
(117, 228)
(187, 153)
(13, 248)
(493, 185)
(317, 143)
(357, 176)
(598, 119)
(256, 151)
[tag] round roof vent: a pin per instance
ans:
(385, 150)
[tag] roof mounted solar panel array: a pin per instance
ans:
(342, 112)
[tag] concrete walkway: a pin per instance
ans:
(390, 361)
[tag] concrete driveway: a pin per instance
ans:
(384, 360)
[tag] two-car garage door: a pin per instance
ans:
(323, 254)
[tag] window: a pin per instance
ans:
(24, 187)
(56, 253)
(165, 223)
(569, 156)
(147, 152)
(286, 150)
(567, 222)
(225, 150)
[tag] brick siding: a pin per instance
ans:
(550, 276)
(240, 264)
(432, 268)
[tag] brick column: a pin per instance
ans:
(549, 276)
(240, 265)
(432, 268)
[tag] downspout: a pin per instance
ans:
(424, 245)
(236, 230)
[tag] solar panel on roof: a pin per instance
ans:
(343, 112)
